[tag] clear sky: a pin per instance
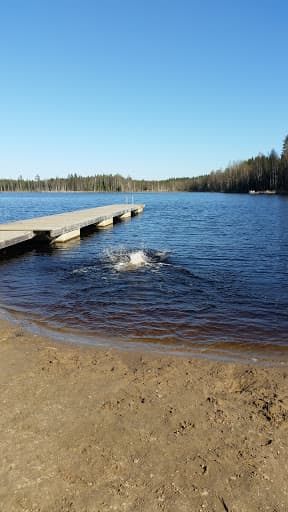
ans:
(149, 88)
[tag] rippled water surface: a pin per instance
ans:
(193, 272)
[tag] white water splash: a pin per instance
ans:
(124, 259)
(133, 260)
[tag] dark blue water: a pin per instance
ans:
(195, 272)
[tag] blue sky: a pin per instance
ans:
(150, 88)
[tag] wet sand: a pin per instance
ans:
(93, 430)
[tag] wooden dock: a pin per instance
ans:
(64, 226)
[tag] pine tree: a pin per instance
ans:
(285, 148)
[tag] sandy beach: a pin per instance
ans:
(91, 430)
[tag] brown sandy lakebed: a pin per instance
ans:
(85, 430)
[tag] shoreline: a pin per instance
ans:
(258, 356)
(94, 429)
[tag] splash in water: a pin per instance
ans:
(128, 259)
(124, 259)
(133, 260)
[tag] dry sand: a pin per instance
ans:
(87, 430)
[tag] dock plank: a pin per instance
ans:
(9, 238)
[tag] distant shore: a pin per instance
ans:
(86, 429)
(128, 193)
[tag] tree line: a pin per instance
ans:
(257, 174)
(96, 183)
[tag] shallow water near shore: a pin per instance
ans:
(195, 272)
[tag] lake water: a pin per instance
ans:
(195, 273)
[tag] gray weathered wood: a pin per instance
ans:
(9, 238)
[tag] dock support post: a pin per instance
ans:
(67, 236)
(104, 223)
(137, 211)
(125, 215)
